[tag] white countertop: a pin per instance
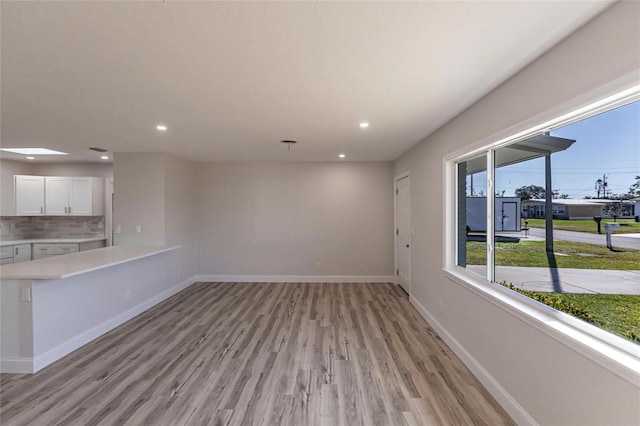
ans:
(50, 240)
(57, 267)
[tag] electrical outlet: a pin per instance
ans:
(441, 307)
(127, 294)
(25, 294)
(318, 266)
(118, 229)
(100, 225)
(138, 229)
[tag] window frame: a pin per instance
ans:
(614, 352)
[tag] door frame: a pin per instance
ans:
(396, 179)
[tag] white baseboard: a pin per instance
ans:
(16, 365)
(76, 342)
(297, 278)
(506, 401)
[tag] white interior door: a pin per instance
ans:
(403, 234)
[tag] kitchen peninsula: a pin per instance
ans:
(54, 305)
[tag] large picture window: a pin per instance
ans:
(554, 216)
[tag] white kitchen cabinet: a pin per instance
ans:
(6, 255)
(74, 196)
(21, 253)
(29, 195)
(56, 196)
(44, 250)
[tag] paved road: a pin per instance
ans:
(618, 240)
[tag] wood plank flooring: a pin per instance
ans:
(259, 354)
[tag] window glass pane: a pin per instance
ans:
(472, 214)
(555, 196)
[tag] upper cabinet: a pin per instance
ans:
(29, 195)
(53, 196)
(74, 196)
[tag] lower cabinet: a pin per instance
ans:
(15, 254)
(42, 250)
(21, 253)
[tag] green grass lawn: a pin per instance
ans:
(617, 313)
(627, 226)
(568, 255)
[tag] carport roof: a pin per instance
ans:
(535, 147)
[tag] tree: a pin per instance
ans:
(634, 189)
(530, 191)
(615, 210)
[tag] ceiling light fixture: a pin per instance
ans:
(33, 151)
(161, 127)
(31, 158)
(104, 157)
(341, 155)
(364, 125)
(289, 143)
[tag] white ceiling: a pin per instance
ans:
(232, 79)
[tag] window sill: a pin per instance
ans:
(608, 350)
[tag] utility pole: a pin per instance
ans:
(604, 186)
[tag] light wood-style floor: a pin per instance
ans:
(267, 354)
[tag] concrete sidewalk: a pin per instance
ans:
(561, 280)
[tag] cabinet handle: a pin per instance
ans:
(65, 210)
(69, 209)
(16, 251)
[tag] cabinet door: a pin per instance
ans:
(29, 195)
(57, 196)
(81, 196)
(22, 253)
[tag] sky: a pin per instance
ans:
(606, 144)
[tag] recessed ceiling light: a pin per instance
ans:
(341, 155)
(161, 127)
(33, 151)
(364, 125)
(104, 157)
(31, 158)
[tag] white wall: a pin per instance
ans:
(101, 170)
(180, 213)
(138, 188)
(11, 167)
(295, 219)
(553, 382)
(158, 192)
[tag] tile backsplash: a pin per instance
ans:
(22, 227)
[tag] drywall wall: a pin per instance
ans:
(295, 219)
(138, 187)
(101, 170)
(157, 192)
(552, 382)
(180, 227)
(11, 167)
